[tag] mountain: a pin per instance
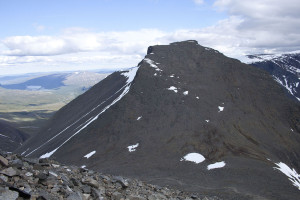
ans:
(10, 137)
(51, 81)
(28, 100)
(189, 117)
(285, 68)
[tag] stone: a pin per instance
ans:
(45, 195)
(86, 189)
(31, 160)
(9, 172)
(3, 161)
(8, 195)
(17, 163)
(97, 194)
(3, 178)
(86, 196)
(74, 196)
(136, 197)
(156, 196)
(42, 176)
(75, 182)
(117, 196)
(90, 181)
(121, 180)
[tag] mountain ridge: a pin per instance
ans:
(285, 68)
(184, 99)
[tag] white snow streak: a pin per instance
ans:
(193, 157)
(24, 151)
(140, 117)
(152, 64)
(207, 120)
(293, 176)
(216, 165)
(289, 88)
(130, 75)
(83, 166)
(133, 147)
(4, 135)
(173, 88)
(89, 154)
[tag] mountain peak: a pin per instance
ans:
(190, 117)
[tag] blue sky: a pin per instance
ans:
(52, 35)
(25, 17)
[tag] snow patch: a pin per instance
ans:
(220, 108)
(193, 157)
(292, 175)
(185, 92)
(207, 120)
(152, 64)
(155, 74)
(133, 147)
(140, 117)
(173, 88)
(171, 76)
(83, 166)
(130, 75)
(89, 154)
(47, 155)
(197, 97)
(216, 165)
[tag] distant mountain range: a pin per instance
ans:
(186, 116)
(285, 68)
(50, 81)
(28, 100)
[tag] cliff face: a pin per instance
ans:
(186, 116)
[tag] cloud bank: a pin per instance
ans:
(256, 26)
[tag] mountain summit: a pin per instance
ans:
(187, 116)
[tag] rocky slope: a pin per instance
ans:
(24, 178)
(285, 68)
(187, 116)
(10, 137)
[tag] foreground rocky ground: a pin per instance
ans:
(24, 178)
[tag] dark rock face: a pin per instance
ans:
(184, 99)
(284, 68)
(56, 181)
(10, 137)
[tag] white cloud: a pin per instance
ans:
(266, 24)
(256, 26)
